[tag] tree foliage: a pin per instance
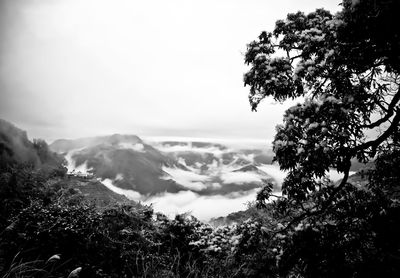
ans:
(344, 70)
(347, 73)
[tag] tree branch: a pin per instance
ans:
(389, 114)
(325, 206)
(370, 144)
(375, 143)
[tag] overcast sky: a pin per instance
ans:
(74, 68)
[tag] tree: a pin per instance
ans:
(348, 80)
(345, 70)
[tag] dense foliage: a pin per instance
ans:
(123, 240)
(344, 69)
(343, 94)
(55, 230)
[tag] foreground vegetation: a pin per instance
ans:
(49, 230)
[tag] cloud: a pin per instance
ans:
(130, 194)
(188, 179)
(136, 147)
(71, 163)
(202, 207)
(240, 177)
(187, 147)
(119, 177)
(273, 170)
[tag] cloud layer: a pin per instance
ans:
(213, 179)
(75, 68)
(202, 207)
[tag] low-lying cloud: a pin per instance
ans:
(138, 147)
(202, 207)
(196, 182)
(205, 207)
(130, 194)
(188, 179)
(240, 177)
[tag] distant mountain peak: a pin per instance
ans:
(66, 145)
(123, 138)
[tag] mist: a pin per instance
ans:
(76, 68)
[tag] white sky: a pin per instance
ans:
(74, 68)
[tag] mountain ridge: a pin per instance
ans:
(130, 163)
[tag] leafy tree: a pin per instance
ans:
(344, 70)
(349, 84)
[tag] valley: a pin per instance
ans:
(205, 179)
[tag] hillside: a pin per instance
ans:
(17, 151)
(15, 146)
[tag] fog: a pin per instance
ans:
(76, 68)
(204, 207)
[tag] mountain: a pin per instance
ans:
(174, 176)
(19, 154)
(16, 148)
(65, 145)
(125, 159)
(232, 218)
(126, 162)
